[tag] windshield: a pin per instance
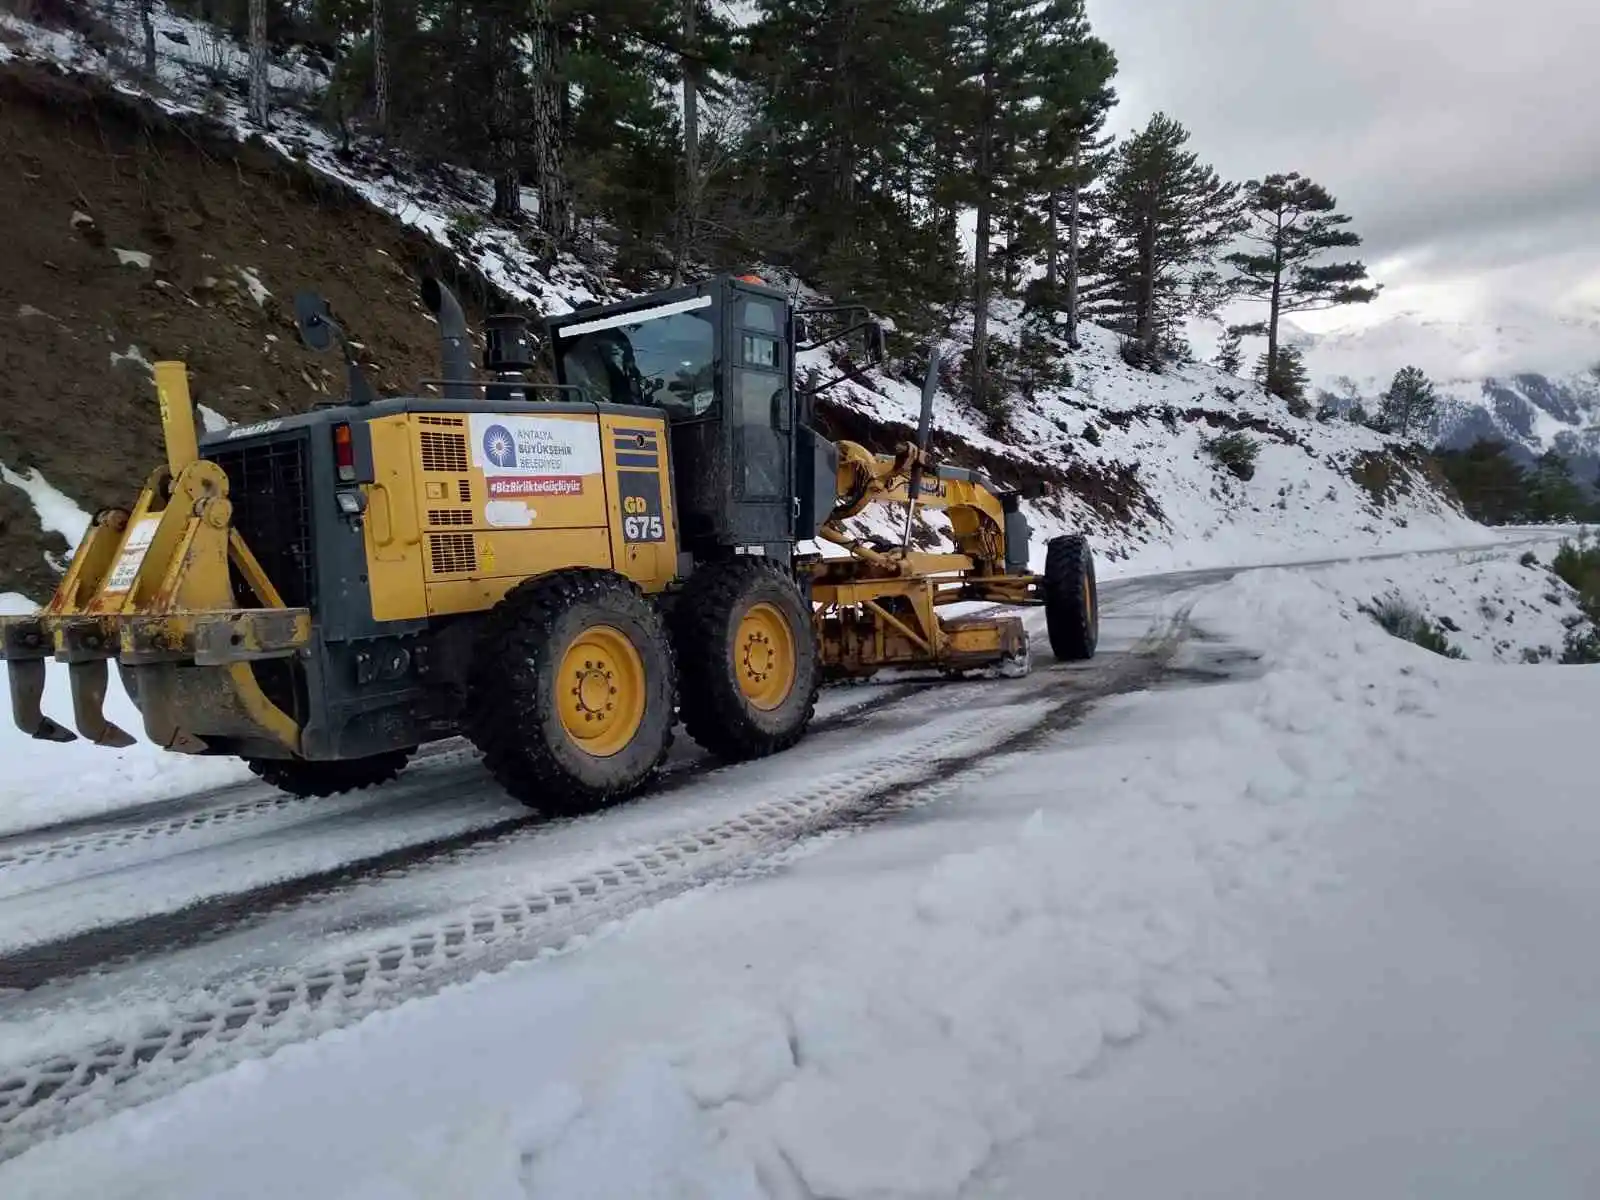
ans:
(665, 361)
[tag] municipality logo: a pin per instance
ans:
(499, 447)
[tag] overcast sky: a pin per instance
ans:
(1462, 135)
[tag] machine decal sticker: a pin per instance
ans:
(499, 447)
(548, 485)
(639, 493)
(524, 457)
(509, 514)
(507, 445)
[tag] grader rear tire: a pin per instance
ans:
(1071, 598)
(570, 695)
(299, 777)
(747, 658)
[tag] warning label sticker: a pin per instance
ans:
(134, 547)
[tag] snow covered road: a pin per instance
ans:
(235, 923)
(1070, 888)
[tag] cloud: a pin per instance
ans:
(1459, 134)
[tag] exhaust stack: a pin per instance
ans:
(455, 348)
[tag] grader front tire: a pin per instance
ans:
(570, 697)
(1071, 598)
(747, 659)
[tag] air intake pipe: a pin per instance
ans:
(455, 347)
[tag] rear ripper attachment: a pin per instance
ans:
(155, 589)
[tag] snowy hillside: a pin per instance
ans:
(1119, 453)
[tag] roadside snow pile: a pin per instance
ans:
(898, 1012)
(1489, 605)
(1442, 960)
(1122, 454)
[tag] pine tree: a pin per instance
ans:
(995, 109)
(1284, 377)
(1292, 224)
(1166, 216)
(1074, 71)
(1029, 83)
(1409, 403)
(1553, 494)
(1493, 489)
(849, 161)
(1230, 355)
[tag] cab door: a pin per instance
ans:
(759, 415)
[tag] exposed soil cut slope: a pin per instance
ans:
(130, 239)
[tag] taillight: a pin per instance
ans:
(344, 453)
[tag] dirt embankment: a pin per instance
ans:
(130, 239)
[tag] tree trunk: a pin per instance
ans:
(689, 202)
(503, 101)
(1072, 253)
(549, 168)
(380, 70)
(147, 22)
(1052, 263)
(1277, 302)
(258, 63)
(980, 255)
(980, 302)
(1145, 302)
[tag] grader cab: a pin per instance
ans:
(558, 571)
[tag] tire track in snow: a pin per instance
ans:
(101, 945)
(153, 818)
(180, 1043)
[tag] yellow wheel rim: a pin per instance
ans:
(1088, 602)
(763, 657)
(600, 690)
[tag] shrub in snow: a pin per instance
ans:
(1529, 559)
(1234, 452)
(1578, 563)
(1582, 646)
(1405, 622)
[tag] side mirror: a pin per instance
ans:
(802, 331)
(877, 347)
(312, 319)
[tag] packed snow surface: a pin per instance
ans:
(1312, 929)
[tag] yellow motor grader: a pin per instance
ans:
(558, 571)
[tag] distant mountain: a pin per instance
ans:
(1531, 380)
